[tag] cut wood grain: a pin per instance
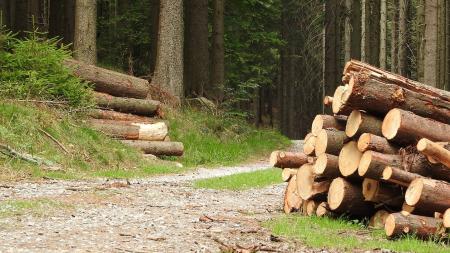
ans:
(330, 141)
(372, 164)
(345, 197)
(376, 143)
(359, 122)
(327, 166)
(349, 158)
(327, 121)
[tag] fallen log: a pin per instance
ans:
(418, 163)
(157, 148)
(292, 201)
(376, 192)
(330, 141)
(402, 127)
(108, 81)
(428, 193)
(118, 116)
(446, 218)
(434, 150)
(398, 176)
(309, 144)
(283, 159)
(131, 131)
(372, 164)
(376, 143)
(287, 173)
(327, 166)
(378, 220)
(425, 227)
(144, 107)
(309, 185)
(349, 158)
(327, 121)
(359, 122)
(345, 197)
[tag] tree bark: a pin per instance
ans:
(332, 45)
(142, 107)
(376, 143)
(428, 193)
(158, 148)
(282, 159)
(131, 131)
(344, 197)
(383, 33)
(398, 176)
(373, 163)
(394, 36)
(431, 43)
(425, 227)
(218, 51)
(118, 116)
(168, 73)
(402, 36)
(85, 36)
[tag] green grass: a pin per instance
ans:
(345, 235)
(242, 181)
(35, 207)
(211, 140)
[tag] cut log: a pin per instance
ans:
(330, 141)
(434, 150)
(309, 144)
(376, 143)
(418, 163)
(309, 185)
(378, 98)
(311, 207)
(349, 159)
(344, 197)
(144, 107)
(378, 220)
(327, 166)
(374, 191)
(328, 101)
(287, 173)
(428, 193)
(324, 210)
(372, 164)
(327, 121)
(425, 227)
(398, 176)
(446, 218)
(283, 159)
(402, 127)
(131, 131)
(359, 122)
(336, 105)
(118, 116)
(292, 201)
(407, 209)
(108, 81)
(157, 148)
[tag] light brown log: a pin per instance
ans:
(328, 101)
(309, 185)
(327, 121)
(434, 150)
(131, 131)
(374, 191)
(330, 141)
(428, 193)
(108, 81)
(118, 116)
(327, 166)
(284, 159)
(376, 143)
(406, 127)
(344, 197)
(378, 220)
(311, 207)
(292, 201)
(378, 98)
(398, 176)
(287, 173)
(144, 107)
(372, 164)
(359, 122)
(349, 158)
(324, 210)
(309, 144)
(425, 227)
(446, 218)
(157, 148)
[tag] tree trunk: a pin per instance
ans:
(394, 36)
(131, 131)
(158, 148)
(425, 227)
(332, 50)
(383, 33)
(168, 73)
(85, 36)
(402, 36)
(154, 14)
(282, 159)
(434, 150)
(118, 116)
(348, 31)
(330, 141)
(292, 201)
(376, 143)
(196, 50)
(398, 176)
(431, 43)
(327, 121)
(4, 12)
(62, 20)
(420, 24)
(428, 193)
(372, 164)
(327, 166)
(218, 51)
(344, 197)
(359, 122)
(349, 158)
(129, 105)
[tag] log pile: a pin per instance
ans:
(383, 155)
(125, 110)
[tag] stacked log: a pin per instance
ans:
(125, 111)
(383, 155)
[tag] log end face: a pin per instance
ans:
(387, 173)
(336, 193)
(317, 125)
(414, 191)
(391, 124)
(305, 180)
(353, 123)
(321, 142)
(364, 163)
(369, 189)
(364, 141)
(389, 226)
(446, 218)
(273, 160)
(422, 144)
(320, 164)
(336, 106)
(349, 158)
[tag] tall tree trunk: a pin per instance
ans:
(218, 51)
(20, 17)
(332, 72)
(154, 13)
(374, 32)
(383, 34)
(196, 51)
(4, 12)
(348, 31)
(442, 83)
(394, 37)
(85, 37)
(169, 60)
(431, 43)
(356, 29)
(365, 38)
(420, 20)
(402, 35)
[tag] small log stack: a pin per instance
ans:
(383, 155)
(126, 111)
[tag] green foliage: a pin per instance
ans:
(242, 181)
(344, 235)
(31, 68)
(220, 139)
